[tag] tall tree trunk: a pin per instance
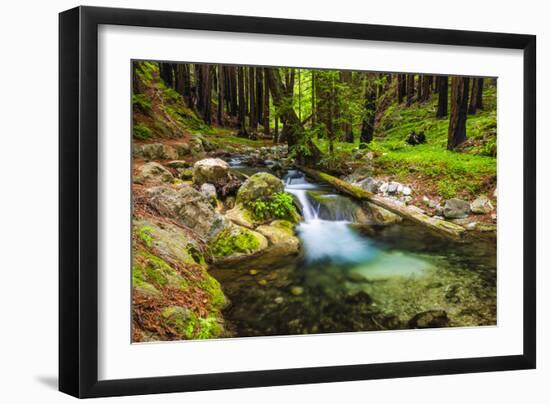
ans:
(313, 95)
(459, 108)
(367, 126)
(233, 90)
(410, 89)
(476, 96)
(292, 125)
(206, 93)
(401, 87)
(345, 77)
(252, 99)
(259, 95)
(221, 94)
(242, 101)
(183, 85)
(442, 100)
(426, 88)
(266, 104)
(165, 71)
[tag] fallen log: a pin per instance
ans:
(442, 227)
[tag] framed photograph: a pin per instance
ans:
(251, 201)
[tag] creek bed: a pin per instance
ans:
(359, 278)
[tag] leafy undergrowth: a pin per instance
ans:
(465, 172)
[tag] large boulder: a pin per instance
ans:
(481, 205)
(211, 170)
(188, 207)
(456, 209)
(259, 186)
(152, 172)
(155, 151)
(236, 243)
(282, 239)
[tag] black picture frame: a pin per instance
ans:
(78, 201)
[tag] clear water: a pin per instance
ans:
(353, 278)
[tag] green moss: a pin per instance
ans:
(209, 328)
(144, 234)
(182, 319)
(142, 132)
(231, 241)
(214, 289)
(156, 271)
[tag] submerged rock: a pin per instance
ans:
(456, 209)
(430, 319)
(152, 171)
(281, 238)
(481, 205)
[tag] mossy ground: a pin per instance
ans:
(465, 172)
(173, 298)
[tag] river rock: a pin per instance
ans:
(281, 237)
(430, 319)
(209, 191)
(407, 191)
(155, 151)
(393, 187)
(481, 205)
(152, 171)
(259, 186)
(241, 216)
(369, 184)
(189, 207)
(381, 216)
(178, 164)
(456, 209)
(211, 170)
(236, 243)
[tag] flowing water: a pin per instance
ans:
(359, 278)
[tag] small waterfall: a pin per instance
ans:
(297, 185)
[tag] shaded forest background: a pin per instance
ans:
(441, 130)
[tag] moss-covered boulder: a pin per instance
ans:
(259, 186)
(152, 172)
(236, 243)
(189, 207)
(155, 151)
(211, 170)
(282, 240)
(242, 216)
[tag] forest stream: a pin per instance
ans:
(350, 277)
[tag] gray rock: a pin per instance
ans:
(406, 191)
(189, 207)
(178, 164)
(481, 205)
(259, 186)
(456, 209)
(383, 188)
(211, 170)
(392, 187)
(152, 172)
(209, 191)
(369, 184)
(158, 151)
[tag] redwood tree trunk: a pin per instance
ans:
(221, 94)
(476, 96)
(251, 97)
(266, 104)
(347, 127)
(367, 126)
(442, 91)
(410, 89)
(242, 101)
(401, 87)
(459, 109)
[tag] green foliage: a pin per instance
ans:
(446, 189)
(144, 234)
(141, 101)
(142, 132)
(280, 206)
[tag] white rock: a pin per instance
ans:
(406, 191)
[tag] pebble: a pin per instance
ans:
(296, 290)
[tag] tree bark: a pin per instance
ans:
(252, 97)
(266, 104)
(165, 71)
(476, 96)
(369, 114)
(426, 88)
(345, 77)
(401, 87)
(206, 93)
(259, 95)
(410, 89)
(242, 101)
(442, 94)
(221, 95)
(459, 108)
